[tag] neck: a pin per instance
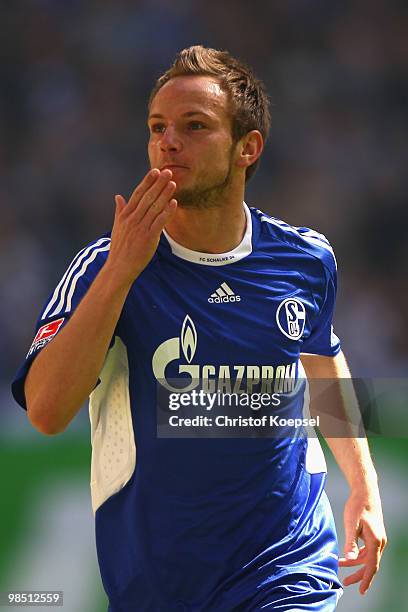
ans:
(217, 229)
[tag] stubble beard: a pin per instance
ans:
(205, 196)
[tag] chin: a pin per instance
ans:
(191, 200)
(183, 195)
(185, 200)
(188, 205)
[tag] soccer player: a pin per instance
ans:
(192, 284)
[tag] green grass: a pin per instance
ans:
(24, 467)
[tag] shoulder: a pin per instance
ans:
(77, 277)
(98, 248)
(296, 240)
(91, 257)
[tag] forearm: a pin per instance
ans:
(354, 459)
(65, 372)
(333, 399)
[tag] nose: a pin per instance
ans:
(169, 140)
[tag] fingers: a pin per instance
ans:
(369, 556)
(352, 562)
(367, 579)
(160, 221)
(353, 578)
(148, 181)
(156, 196)
(348, 561)
(365, 574)
(372, 563)
(150, 205)
(158, 205)
(150, 198)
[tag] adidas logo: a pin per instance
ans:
(224, 293)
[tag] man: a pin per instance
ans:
(203, 524)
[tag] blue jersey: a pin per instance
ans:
(201, 523)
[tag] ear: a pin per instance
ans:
(249, 149)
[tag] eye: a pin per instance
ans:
(196, 125)
(157, 128)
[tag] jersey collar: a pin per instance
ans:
(216, 259)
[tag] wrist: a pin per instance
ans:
(364, 483)
(117, 277)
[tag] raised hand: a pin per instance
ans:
(139, 222)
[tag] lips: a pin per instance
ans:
(172, 166)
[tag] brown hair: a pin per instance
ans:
(247, 94)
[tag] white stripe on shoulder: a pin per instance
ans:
(81, 272)
(65, 280)
(319, 243)
(279, 223)
(310, 236)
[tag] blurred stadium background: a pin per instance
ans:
(74, 81)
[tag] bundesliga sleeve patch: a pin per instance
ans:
(44, 335)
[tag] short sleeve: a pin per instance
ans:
(322, 339)
(60, 306)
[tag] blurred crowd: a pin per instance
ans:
(75, 78)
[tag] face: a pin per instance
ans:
(190, 133)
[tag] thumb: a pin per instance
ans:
(120, 203)
(351, 548)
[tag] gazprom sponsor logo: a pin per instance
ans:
(181, 351)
